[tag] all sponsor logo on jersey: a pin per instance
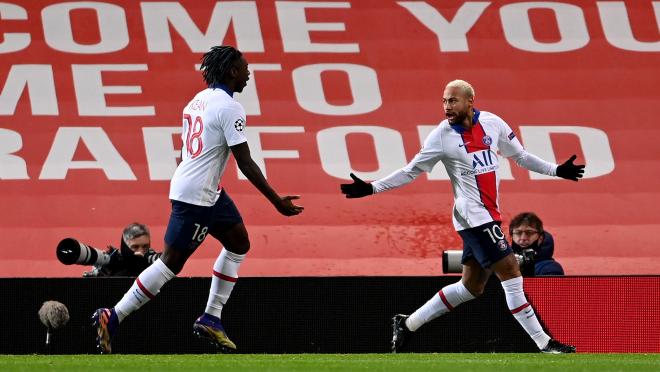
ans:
(239, 124)
(482, 162)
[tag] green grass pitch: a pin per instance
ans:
(334, 362)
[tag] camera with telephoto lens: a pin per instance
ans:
(112, 262)
(451, 261)
(70, 251)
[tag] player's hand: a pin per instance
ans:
(286, 207)
(357, 189)
(570, 171)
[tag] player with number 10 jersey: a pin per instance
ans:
(466, 143)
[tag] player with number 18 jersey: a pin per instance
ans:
(212, 122)
(213, 125)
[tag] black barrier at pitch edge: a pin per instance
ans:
(264, 315)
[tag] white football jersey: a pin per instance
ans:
(212, 122)
(471, 161)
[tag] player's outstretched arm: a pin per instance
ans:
(283, 204)
(357, 189)
(570, 171)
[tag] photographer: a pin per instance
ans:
(133, 256)
(533, 246)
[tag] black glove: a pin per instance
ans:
(570, 171)
(357, 189)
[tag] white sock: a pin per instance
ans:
(225, 275)
(523, 311)
(146, 287)
(443, 302)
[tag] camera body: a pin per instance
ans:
(527, 261)
(451, 261)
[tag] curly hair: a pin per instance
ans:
(217, 62)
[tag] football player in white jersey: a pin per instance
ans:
(466, 143)
(213, 129)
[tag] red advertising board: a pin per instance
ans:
(600, 314)
(92, 94)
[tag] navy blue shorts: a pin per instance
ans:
(189, 224)
(485, 243)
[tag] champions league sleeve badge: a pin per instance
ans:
(239, 124)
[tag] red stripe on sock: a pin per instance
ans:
(444, 301)
(519, 308)
(144, 289)
(225, 277)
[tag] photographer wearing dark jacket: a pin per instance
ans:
(533, 245)
(133, 256)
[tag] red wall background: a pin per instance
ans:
(602, 225)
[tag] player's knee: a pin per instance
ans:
(239, 247)
(174, 259)
(176, 269)
(173, 264)
(511, 273)
(476, 289)
(507, 268)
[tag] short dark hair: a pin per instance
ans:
(133, 231)
(528, 218)
(217, 61)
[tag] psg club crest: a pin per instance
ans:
(239, 124)
(487, 140)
